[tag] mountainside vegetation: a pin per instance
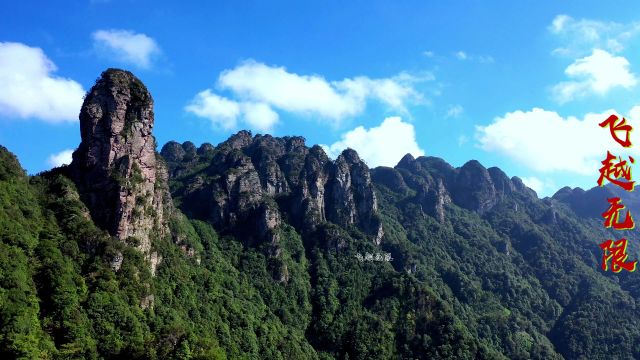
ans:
(268, 249)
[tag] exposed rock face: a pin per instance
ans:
(437, 184)
(245, 174)
(351, 199)
(593, 202)
(115, 167)
(473, 188)
(389, 177)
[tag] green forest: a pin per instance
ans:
(508, 284)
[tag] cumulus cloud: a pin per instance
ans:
(547, 142)
(581, 36)
(62, 158)
(226, 113)
(597, 73)
(260, 116)
(534, 183)
(221, 111)
(127, 46)
(312, 94)
(277, 89)
(383, 145)
(29, 88)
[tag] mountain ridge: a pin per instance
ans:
(263, 247)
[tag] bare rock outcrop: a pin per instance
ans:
(437, 184)
(120, 177)
(260, 179)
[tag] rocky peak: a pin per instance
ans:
(389, 177)
(501, 181)
(593, 202)
(406, 161)
(479, 189)
(436, 184)
(240, 140)
(205, 149)
(115, 167)
(172, 151)
(241, 181)
(351, 197)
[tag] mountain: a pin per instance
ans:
(264, 247)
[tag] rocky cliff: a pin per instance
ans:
(120, 177)
(436, 184)
(259, 179)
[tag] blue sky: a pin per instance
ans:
(518, 85)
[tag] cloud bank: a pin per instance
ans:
(383, 145)
(260, 91)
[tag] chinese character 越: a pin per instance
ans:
(618, 170)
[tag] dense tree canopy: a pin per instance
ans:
(509, 283)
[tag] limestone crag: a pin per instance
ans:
(436, 184)
(261, 180)
(116, 168)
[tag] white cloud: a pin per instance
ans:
(314, 95)
(260, 116)
(383, 145)
(559, 22)
(594, 74)
(455, 111)
(483, 59)
(226, 113)
(634, 113)
(221, 111)
(533, 182)
(547, 142)
(62, 158)
(462, 139)
(461, 55)
(581, 36)
(127, 46)
(428, 54)
(28, 87)
(546, 187)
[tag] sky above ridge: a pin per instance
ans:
(518, 85)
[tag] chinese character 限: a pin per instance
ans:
(616, 252)
(620, 126)
(619, 169)
(612, 215)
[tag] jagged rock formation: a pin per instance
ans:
(593, 202)
(116, 168)
(257, 180)
(436, 184)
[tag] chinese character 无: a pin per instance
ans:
(612, 215)
(615, 127)
(616, 252)
(613, 171)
